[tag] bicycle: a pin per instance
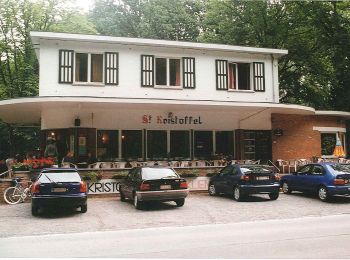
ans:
(17, 193)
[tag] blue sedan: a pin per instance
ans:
(59, 188)
(325, 179)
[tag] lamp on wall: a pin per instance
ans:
(77, 122)
(278, 132)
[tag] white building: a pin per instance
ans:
(141, 99)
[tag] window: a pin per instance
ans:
(131, 144)
(203, 144)
(238, 75)
(88, 67)
(107, 144)
(328, 141)
(157, 144)
(305, 170)
(224, 142)
(227, 170)
(317, 170)
(168, 72)
(179, 144)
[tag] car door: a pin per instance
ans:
(221, 180)
(300, 177)
(231, 179)
(314, 178)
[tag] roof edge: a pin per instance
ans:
(36, 36)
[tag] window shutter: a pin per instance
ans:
(65, 73)
(189, 72)
(259, 76)
(147, 70)
(111, 68)
(221, 75)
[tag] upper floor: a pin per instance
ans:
(102, 66)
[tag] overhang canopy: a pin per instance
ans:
(29, 110)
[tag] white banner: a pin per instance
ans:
(109, 186)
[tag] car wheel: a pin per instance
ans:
(274, 196)
(237, 194)
(212, 190)
(180, 202)
(137, 203)
(122, 197)
(35, 211)
(286, 188)
(83, 208)
(323, 193)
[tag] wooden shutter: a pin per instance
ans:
(147, 70)
(189, 72)
(221, 75)
(65, 68)
(111, 68)
(259, 76)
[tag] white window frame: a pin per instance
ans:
(251, 76)
(89, 82)
(343, 142)
(168, 72)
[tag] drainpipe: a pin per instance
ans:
(273, 79)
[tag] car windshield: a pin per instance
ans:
(254, 168)
(158, 173)
(60, 177)
(340, 168)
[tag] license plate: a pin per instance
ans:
(165, 187)
(262, 178)
(59, 190)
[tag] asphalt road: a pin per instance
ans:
(308, 237)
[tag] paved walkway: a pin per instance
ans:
(112, 214)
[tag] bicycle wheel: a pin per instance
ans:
(12, 195)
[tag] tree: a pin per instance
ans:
(19, 69)
(158, 19)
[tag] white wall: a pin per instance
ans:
(129, 74)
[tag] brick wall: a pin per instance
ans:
(4, 184)
(299, 140)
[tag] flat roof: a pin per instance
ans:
(37, 36)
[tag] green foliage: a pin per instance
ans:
(159, 19)
(91, 176)
(187, 172)
(120, 175)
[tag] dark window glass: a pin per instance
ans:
(179, 144)
(131, 144)
(226, 170)
(328, 141)
(81, 67)
(161, 71)
(305, 169)
(243, 76)
(203, 144)
(96, 67)
(174, 72)
(107, 144)
(156, 145)
(224, 142)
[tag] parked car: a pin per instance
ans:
(325, 179)
(59, 187)
(154, 183)
(243, 180)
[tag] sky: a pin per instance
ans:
(84, 4)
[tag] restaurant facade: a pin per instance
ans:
(126, 99)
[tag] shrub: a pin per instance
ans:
(120, 175)
(91, 176)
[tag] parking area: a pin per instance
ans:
(112, 214)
